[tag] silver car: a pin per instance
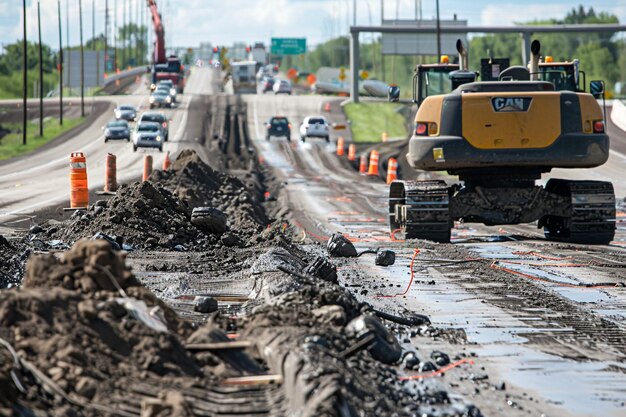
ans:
(148, 135)
(126, 112)
(282, 87)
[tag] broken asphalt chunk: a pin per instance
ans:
(385, 257)
(339, 246)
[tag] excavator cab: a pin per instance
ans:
(566, 76)
(437, 79)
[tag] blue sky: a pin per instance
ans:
(189, 22)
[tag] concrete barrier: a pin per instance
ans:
(618, 115)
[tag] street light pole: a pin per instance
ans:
(60, 66)
(40, 71)
(438, 33)
(24, 78)
(82, 60)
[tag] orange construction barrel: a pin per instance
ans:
(340, 146)
(392, 170)
(79, 190)
(147, 167)
(110, 173)
(363, 164)
(167, 162)
(373, 168)
(352, 152)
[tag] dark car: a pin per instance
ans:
(157, 117)
(126, 112)
(278, 126)
(117, 129)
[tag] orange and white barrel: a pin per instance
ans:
(363, 164)
(352, 152)
(79, 189)
(340, 146)
(373, 167)
(392, 170)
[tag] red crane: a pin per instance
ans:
(164, 68)
(159, 38)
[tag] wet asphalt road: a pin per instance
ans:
(546, 319)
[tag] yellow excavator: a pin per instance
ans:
(499, 137)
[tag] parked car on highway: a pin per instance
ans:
(117, 129)
(148, 135)
(160, 97)
(267, 84)
(126, 112)
(169, 84)
(282, 87)
(314, 127)
(278, 126)
(157, 117)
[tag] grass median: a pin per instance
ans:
(11, 144)
(369, 120)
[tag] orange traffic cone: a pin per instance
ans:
(79, 190)
(392, 170)
(147, 167)
(340, 146)
(363, 165)
(373, 168)
(167, 163)
(327, 106)
(351, 152)
(110, 174)
(384, 137)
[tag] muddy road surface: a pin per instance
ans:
(210, 290)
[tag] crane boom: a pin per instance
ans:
(159, 38)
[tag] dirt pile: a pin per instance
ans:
(157, 214)
(13, 255)
(84, 329)
(199, 185)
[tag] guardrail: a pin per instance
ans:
(123, 75)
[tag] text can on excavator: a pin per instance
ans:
(499, 137)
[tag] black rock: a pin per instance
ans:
(323, 269)
(440, 358)
(385, 257)
(209, 220)
(101, 203)
(427, 366)
(98, 210)
(410, 361)
(205, 305)
(384, 346)
(35, 229)
(339, 246)
(228, 239)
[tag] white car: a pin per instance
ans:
(314, 127)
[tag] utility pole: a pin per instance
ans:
(60, 66)
(438, 33)
(82, 60)
(40, 71)
(24, 78)
(353, 12)
(93, 24)
(124, 28)
(115, 28)
(138, 19)
(67, 44)
(106, 34)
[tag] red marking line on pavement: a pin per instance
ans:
(439, 371)
(416, 251)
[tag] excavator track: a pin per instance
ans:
(420, 209)
(591, 214)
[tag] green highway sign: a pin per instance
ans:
(288, 46)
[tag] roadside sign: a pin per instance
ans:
(364, 75)
(288, 46)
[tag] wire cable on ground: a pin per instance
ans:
(438, 371)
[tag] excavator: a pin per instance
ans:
(164, 68)
(498, 138)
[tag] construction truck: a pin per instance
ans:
(498, 138)
(164, 68)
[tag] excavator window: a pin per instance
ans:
(562, 76)
(433, 81)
